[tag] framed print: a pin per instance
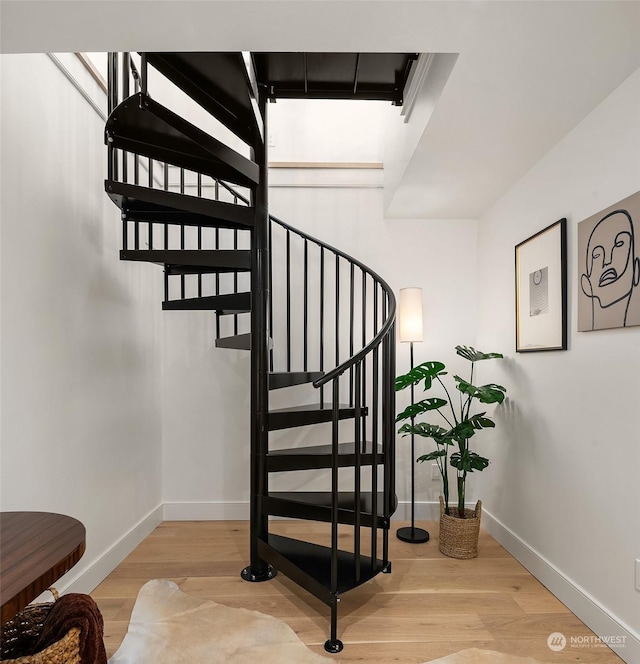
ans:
(609, 267)
(541, 290)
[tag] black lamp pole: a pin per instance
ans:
(412, 534)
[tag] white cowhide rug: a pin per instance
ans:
(169, 627)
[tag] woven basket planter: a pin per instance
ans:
(459, 537)
(22, 631)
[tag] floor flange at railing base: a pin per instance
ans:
(264, 573)
(334, 646)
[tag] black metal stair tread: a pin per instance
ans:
(227, 259)
(237, 342)
(143, 126)
(219, 83)
(145, 204)
(231, 303)
(322, 499)
(297, 416)
(320, 456)
(282, 379)
(309, 565)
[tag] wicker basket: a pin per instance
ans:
(459, 537)
(20, 634)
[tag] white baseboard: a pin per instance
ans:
(98, 570)
(586, 607)
(210, 511)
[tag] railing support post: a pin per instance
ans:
(259, 570)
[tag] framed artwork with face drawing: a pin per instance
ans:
(609, 267)
(541, 290)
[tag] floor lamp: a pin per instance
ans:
(410, 324)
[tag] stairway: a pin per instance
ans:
(308, 313)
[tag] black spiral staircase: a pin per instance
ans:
(306, 311)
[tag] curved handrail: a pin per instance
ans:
(377, 340)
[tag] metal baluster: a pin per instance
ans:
(125, 230)
(271, 353)
(136, 169)
(112, 82)
(199, 235)
(356, 444)
(374, 427)
(166, 188)
(113, 88)
(235, 274)
(351, 311)
(337, 321)
(305, 308)
(182, 276)
(143, 74)
(288, 263)
(334, 514)
(388, 424)
(216, 194)
(322, 319)
(125, 94)
(217, 246)
(136, 235)
(364, 342)
(375, 397)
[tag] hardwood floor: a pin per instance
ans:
(428, 607)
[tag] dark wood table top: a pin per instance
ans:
(36, 549)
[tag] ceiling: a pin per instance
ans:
(526, 73)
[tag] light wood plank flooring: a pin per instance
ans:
(428, 607)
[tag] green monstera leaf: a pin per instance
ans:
(433, 431)
(467, 461)
(490, 393)
(432, 456)
(423, 406)
(474, 355)
(426, 371)
(467, 428)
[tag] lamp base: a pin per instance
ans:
(412, 535)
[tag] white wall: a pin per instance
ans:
(80, 372)
(564, 479)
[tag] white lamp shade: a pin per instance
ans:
(410, 314)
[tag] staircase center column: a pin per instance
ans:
(258, 570)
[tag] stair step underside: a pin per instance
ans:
(321, 456)
(278, 380)
(143, 126)
(316, 506)
(228, 260)
(309, 565)
(219, 83)
(159, 206)
(232, 303)
(299, 416)
(237, 342)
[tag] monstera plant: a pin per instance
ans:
(456, 425)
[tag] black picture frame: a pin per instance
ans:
(541, 290)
